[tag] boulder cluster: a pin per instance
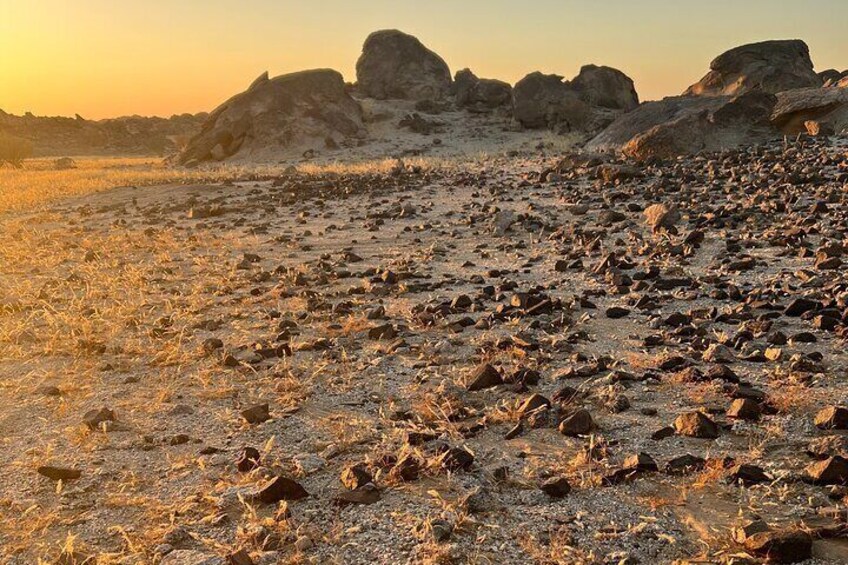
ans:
(751, 94)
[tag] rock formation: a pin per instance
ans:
(480, 95)
(685, 124)
(541, 101)
(827, 105)
(588, 103)
(606, 87)
(299, 110)
(396, 65)
(832, 76)
(772, 66)
(131, 135)
(752, 94)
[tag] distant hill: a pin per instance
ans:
(131, 135)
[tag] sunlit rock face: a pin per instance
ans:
(394, 64)
(297, 110)
(772, 66)
(752, 93)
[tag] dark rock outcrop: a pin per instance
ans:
(480, 94)
(606, 87)
(130, 135)
(298, 110)
(772, 66)
(541, 101)
(587, 104)
(396, 65)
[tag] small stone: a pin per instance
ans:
(617, 312)
(303, 543)
(366, 494)
(642, 462)
(696, 424)
(49, 390)
(830, 471)
(744, 409)
(800, 306)
(59, 473)
(248, 460)
(356, 476)
(781, 547)
(578, 423)
(748, 475)
(281, 488)
(533, 403)
(94, 418)
(240, 557)
(832, 418)
(663, 433)
(661, 216)
(456, 459)
(684, 465)
(556, 488)
(440, 529)
(484, 376)
(256, 414)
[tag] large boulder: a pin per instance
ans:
(293, 111)
(545, 101)
(480, 94)
(606, 87)
(686, 124)
(826, 106)
(650, 115)
(588, 103)
(396, 65)
(772, 66)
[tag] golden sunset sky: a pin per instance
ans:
(106, 58)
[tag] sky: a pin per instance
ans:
(108, 58)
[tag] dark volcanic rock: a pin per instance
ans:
(281, 488)
(541, 101)
(586, 104)
(832, 418)
(59, 473)
(577, 423)
(480, 95)
(556, 487)
(606, 87)
(781, 547)
(484, 376)
(830, 471)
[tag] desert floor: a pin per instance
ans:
(143, 329)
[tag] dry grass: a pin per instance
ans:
(39, 183)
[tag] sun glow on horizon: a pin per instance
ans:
(104, 59)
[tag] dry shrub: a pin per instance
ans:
(13, 150)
